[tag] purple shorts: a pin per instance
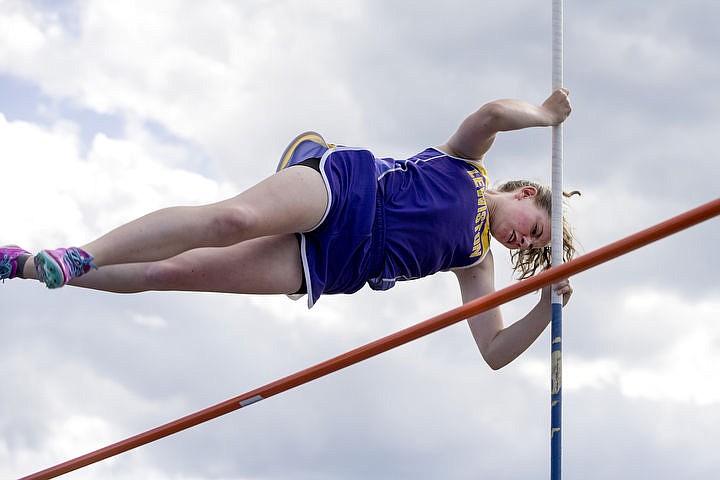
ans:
(346, 248)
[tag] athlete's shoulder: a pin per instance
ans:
(428, 154)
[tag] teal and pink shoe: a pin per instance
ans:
(56, 268)
(12, 260)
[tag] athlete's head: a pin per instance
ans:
(522, 223)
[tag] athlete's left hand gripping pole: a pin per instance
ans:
(557, 252)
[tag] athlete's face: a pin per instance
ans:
(520, 223)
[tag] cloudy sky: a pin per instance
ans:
(111, 109)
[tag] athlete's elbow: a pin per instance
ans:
(494, 361)
(491, 115)
(487, 346)
(495, 364)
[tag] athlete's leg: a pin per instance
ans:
(293, 200)
(270, 264)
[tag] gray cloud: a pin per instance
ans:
(207, 95)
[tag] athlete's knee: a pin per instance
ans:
(166, 275)
(231, 224)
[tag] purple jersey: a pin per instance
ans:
(435, 215)
(389, 220)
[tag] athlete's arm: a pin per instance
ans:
(501, 345)
(476, 133)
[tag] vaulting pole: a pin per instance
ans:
(580, 264)
(557, 253)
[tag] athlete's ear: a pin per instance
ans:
(529, 191)
(526, 192)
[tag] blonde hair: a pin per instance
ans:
(526, 263)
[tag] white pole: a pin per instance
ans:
(557, 251)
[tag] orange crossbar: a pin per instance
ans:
(580, 264)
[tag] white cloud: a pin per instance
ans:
(238, 68)
(67, 197)
(681, 372)
(60, 424)
(20, 35)
(686, 372)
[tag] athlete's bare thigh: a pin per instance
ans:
(262, 265)
(292, 200)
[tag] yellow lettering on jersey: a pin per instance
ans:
(481, 239)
